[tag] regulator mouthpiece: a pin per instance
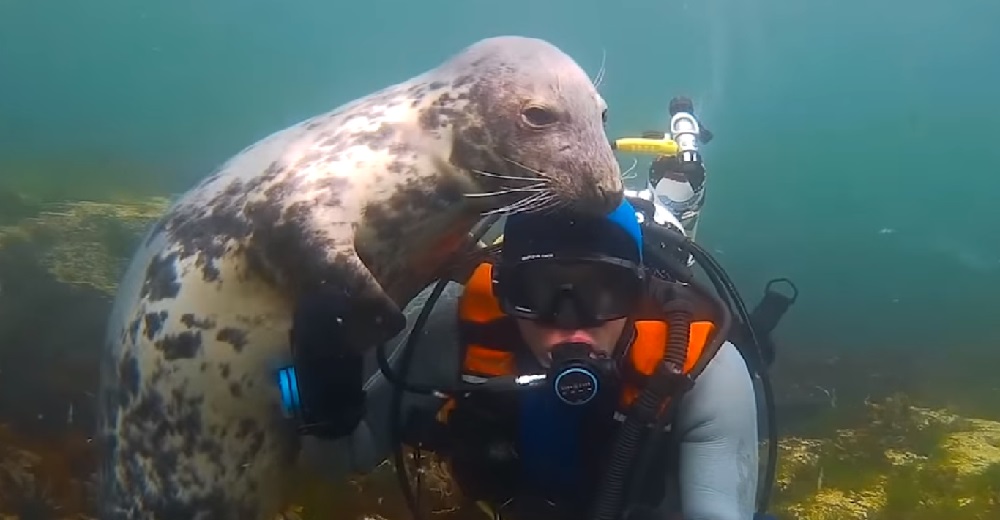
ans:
(575, 375)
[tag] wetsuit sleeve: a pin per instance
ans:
(717, 430)
(435, 362)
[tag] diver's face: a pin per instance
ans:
(541, 338)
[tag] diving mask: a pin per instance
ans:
(572, 293)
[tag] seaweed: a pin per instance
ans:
(377, 495)
(85, 243)
(44, 480)
(868, 438)
(909, 463)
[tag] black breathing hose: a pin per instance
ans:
(398, 379)
(718, 338)
(763, 501)
(611, 492)
(396, 401)
(771, 464)
(727, 289)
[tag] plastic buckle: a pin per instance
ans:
(677, 382)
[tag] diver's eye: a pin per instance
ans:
(538, 117)
(604, 116)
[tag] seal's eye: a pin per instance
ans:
(604, 116)
(538, 117)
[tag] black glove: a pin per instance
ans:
(330, 373)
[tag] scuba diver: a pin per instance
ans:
(677, 173)
(582, 372)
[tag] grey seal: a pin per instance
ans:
(374, 196)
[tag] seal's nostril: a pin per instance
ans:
(610, 199)
(602, 198)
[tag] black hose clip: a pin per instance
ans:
(669, 382)
(676, 381)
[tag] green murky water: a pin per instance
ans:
(854, 153)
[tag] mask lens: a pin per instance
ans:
(596, 290)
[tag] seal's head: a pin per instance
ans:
(532, 112)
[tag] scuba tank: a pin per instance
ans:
(679, 181)
(677, 174)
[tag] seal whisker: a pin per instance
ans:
(538, 201)
(601, 71)
(515, 206)
(628, 174)
(526, 168)
(510, 177)
(543, 203)
(537, 187)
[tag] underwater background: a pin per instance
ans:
(854, 152)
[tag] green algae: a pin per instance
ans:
(83, 242)
(906, 462)
(909, 463)
(60, 263)
(886, 460)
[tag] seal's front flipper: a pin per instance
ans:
(328, 377)
(348, 294)
(333, 325)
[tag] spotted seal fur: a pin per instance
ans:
(374, 196)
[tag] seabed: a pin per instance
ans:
(889, 452)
